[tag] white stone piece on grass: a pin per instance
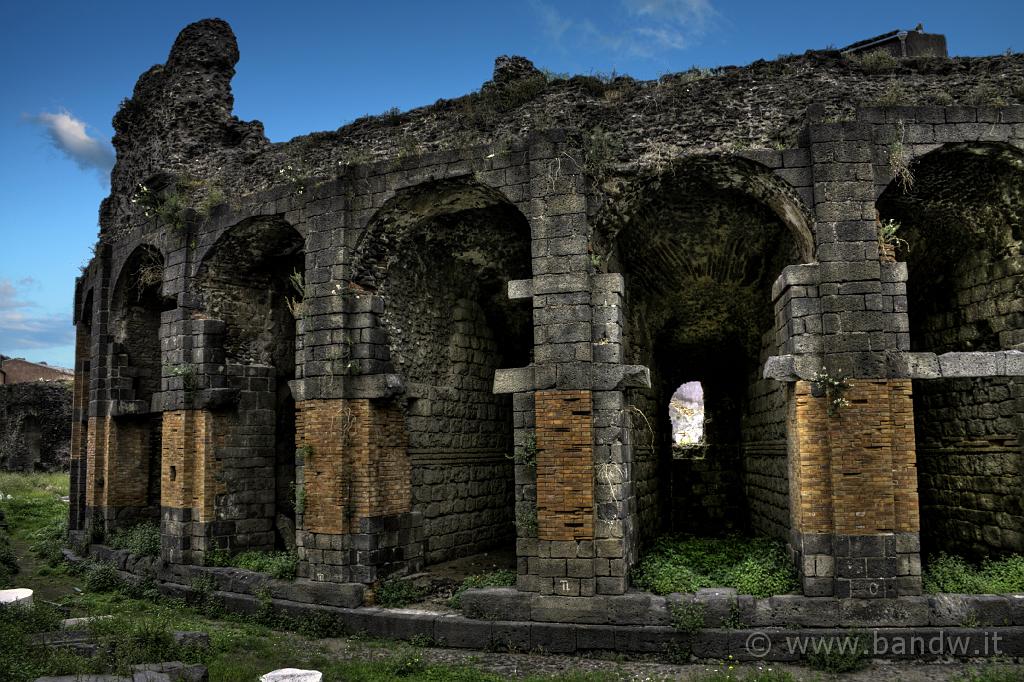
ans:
(292, 675)
(19, 595)
(80, 623)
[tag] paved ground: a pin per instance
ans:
(513, 665)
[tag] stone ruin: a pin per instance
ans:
(35, 426)
(437, 332)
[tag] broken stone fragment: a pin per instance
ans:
(508, 69)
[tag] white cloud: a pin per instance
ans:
(651, 27)
(68, 134)
(22, 326)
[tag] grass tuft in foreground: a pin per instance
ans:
(757, 566)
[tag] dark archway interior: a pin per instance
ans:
(135, 322)
(963, 220)
(137, 304)
(441, 256)
(700, 247)
(253, 280)
(31, 438)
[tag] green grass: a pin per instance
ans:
(947, 573)
(502, 578)
(35, 501)
(995, 673)
(757, 566)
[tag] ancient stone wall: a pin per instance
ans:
(35, 426)
(473, 318)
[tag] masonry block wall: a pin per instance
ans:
(37, 431)
(396, 362)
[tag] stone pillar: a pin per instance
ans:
(574, 506)
(853, 478)
(80, 425)
(354, 518)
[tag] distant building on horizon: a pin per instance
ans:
(20, 370)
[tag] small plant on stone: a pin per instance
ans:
(686, 617)
(297, 303)
(295, 177)
(889, 239)
(833, 388)
(899, 161)
(141, 540)
(838, 654)
(526, 522)
(894, 95)
(502, 578)
(189, 379)
(298, 497)
(304, 452)
(216, 556)
(280, 565)
(526, 454)
(875, 61)
(734, 621)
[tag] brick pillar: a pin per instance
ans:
(354, 491)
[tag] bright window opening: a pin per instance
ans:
(686, 410)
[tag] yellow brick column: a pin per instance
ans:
(853, 490)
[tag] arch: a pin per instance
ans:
(699, 245)
(440, 255)
(253, 280)
(963, 221)
(136, 303)
(741, 177)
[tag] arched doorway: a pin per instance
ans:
(700, 245)
(961, 231)
(440, 255)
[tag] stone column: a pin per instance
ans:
(853, 479)
(354, 516)
(575, 518)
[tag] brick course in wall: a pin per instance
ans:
(565, 466)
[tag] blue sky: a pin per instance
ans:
(65, 67)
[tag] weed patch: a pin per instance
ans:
(492, 579)
(281, 565)
(396, 593)
(946, 573)
(757, 566)
(142, 539)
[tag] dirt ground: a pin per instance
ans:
(513, 665)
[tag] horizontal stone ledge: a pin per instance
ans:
(364, 386)
(580, 375)
(1007, 363)
(513, 380)
(791, 368)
